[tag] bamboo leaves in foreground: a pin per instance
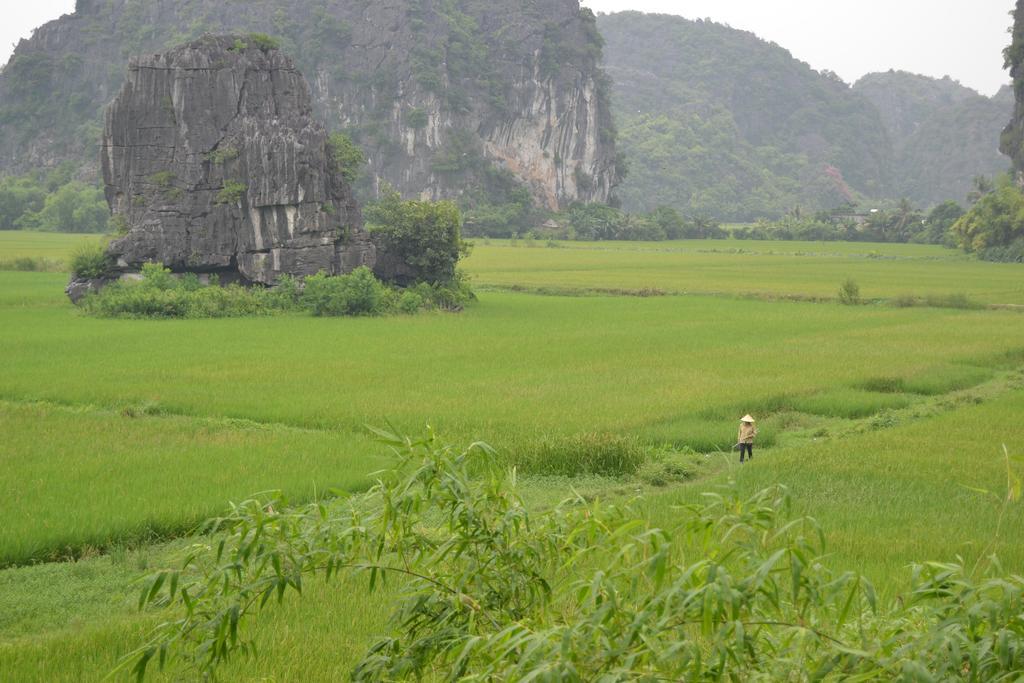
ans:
(737, 590)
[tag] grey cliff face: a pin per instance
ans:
(439, 94)
(1012, 140)
(213, 161)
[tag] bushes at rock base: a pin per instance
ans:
(161, 294)
(358, 293)
(90, 260)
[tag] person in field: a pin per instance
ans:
(746, 437)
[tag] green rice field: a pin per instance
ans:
(762, 269)
(120, 436)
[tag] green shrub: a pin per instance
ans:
(223, 155)
(449, 296)
(163, 179)
(90, 260)
(161, 294)
(425, 236)
(358, 293)
(416, 119)
(362, 292)
(263, 42)
(231, 193)
(849, 293)
(347, 156)
(410, 302)
(670, 468)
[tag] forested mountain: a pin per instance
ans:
(943, 134)
(443, 95)
(498, 103)
(716, 121)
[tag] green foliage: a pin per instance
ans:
(423, 236)
(663, 469)
(358, 293)
(19, 196)
(222, 155)
(461, 154)
(939, 224)
(495, 591)
(232, 192)
(594, 222)
(164, 181)
(162, 294)
(902, 224)
(410, 302)
(994, 227)
(239, 46)
(500, 207)
(74, 207)
(90, 260)
(849, 293)
(416, 119)
(30, 76)
(347, 156)
(262, 41)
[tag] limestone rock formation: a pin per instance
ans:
(447, 98)
(214, 162)
(1012, 142)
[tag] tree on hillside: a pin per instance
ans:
(980, 186)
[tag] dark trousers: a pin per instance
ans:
(747, 448)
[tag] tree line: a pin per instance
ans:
(53, 201)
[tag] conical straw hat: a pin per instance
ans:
(746, 418)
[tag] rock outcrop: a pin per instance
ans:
(446, 97)
(214, 162)
(1012, 141)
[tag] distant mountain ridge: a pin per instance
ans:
(943, 133)
(717, 121)
(480, 100)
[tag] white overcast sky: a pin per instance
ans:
(963, 39)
